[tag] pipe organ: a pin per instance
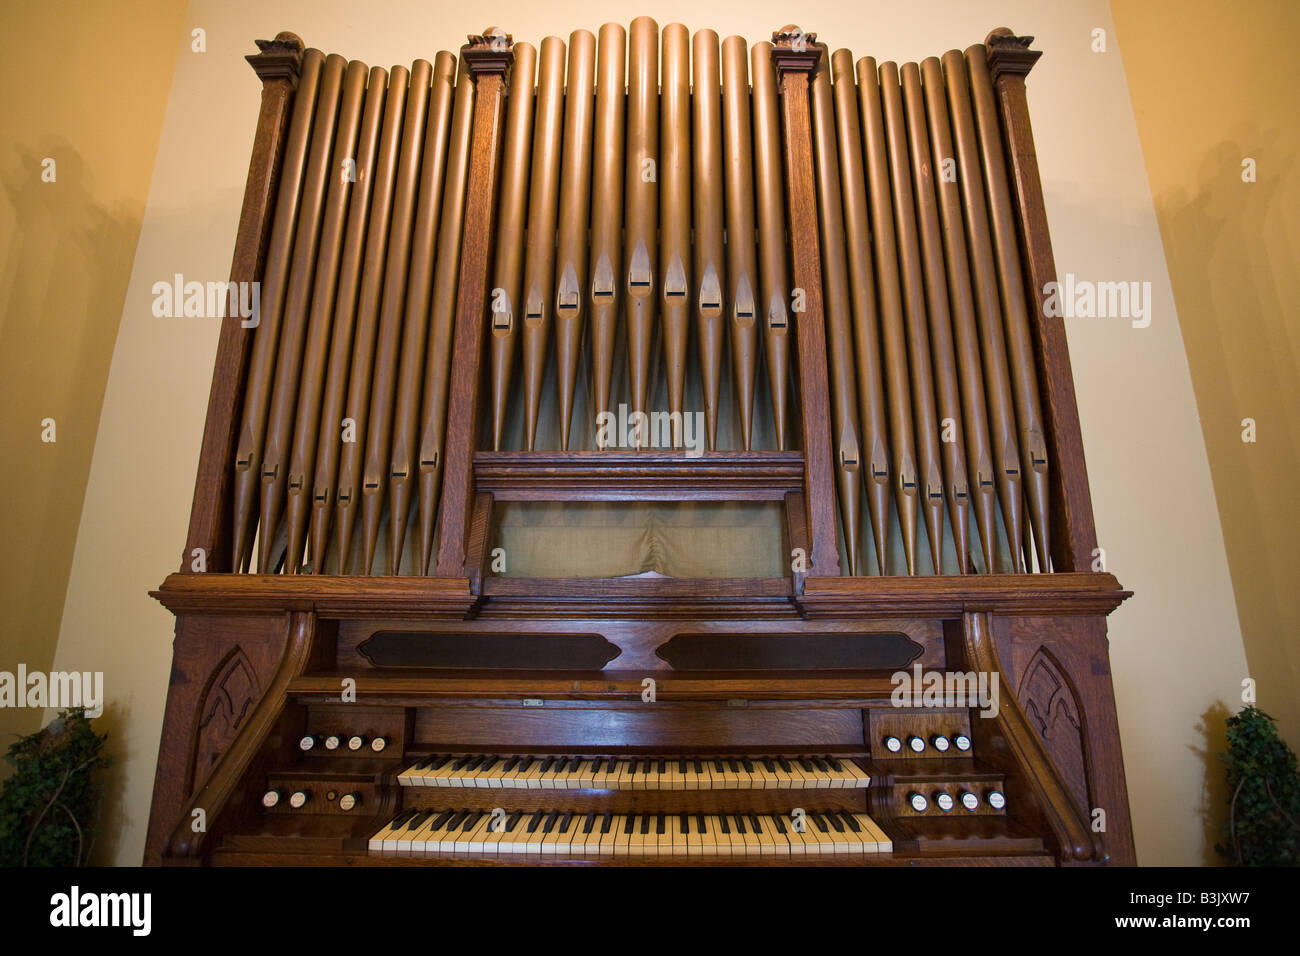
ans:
(802, 280)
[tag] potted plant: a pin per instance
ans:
(1263, 826)
(49, 808)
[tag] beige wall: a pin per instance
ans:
(85, 84)
(1176, 646)
(1232, 248)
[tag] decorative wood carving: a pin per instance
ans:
(1076, 841)
(1052, 706)
(215, 791)
(226, 701)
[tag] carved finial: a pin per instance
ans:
(494, 38)
(793, 37)
(491, 51)
(278, 59)
(1009, 54)
(794, 51)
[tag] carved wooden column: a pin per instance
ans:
(488, 59)
(795, 55)
(1074, 535)
(278, 66)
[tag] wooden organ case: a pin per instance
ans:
(838, 269)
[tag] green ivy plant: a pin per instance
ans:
(49, 808)
(1263, 826)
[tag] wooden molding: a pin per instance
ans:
(1074, 534)
(277, 65)
(794, 67)
(639, 476)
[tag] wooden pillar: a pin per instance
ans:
(488, 59)
(277, 65)
(795, 56)
(1074, 535)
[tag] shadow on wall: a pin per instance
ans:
(62, 288)
(114, 815)
(1214, 793)
(1218, 233)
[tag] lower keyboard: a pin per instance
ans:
(571, 833)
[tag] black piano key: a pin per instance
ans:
(535, 821)
(722, 823)
(440, 762)
(629, 823)
(419, 820)
(659, 830)
(735, 765)
(574, 764)
(589, 822)
(645, 823)
(699, 767)
(806, 764)
(740, 823)
(606, 822)
(525, 765)
(700, 822)
(851, 823)
(510, 765)
(663, 766)
(821, 823)
(836, 765)
(753, 821)
(512, 820)
(770, 764)
(460, 763)
(681, 766)
(684, 823)
(550, 821)
(835, 822)
(546, 765)
(401, 819)
(566, 821)
(821, 764)
(472, 822)
(747, 764)
(785, 764)
(441, 819)
(780, 823)
(717, 765)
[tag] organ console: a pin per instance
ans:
(464, 265)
